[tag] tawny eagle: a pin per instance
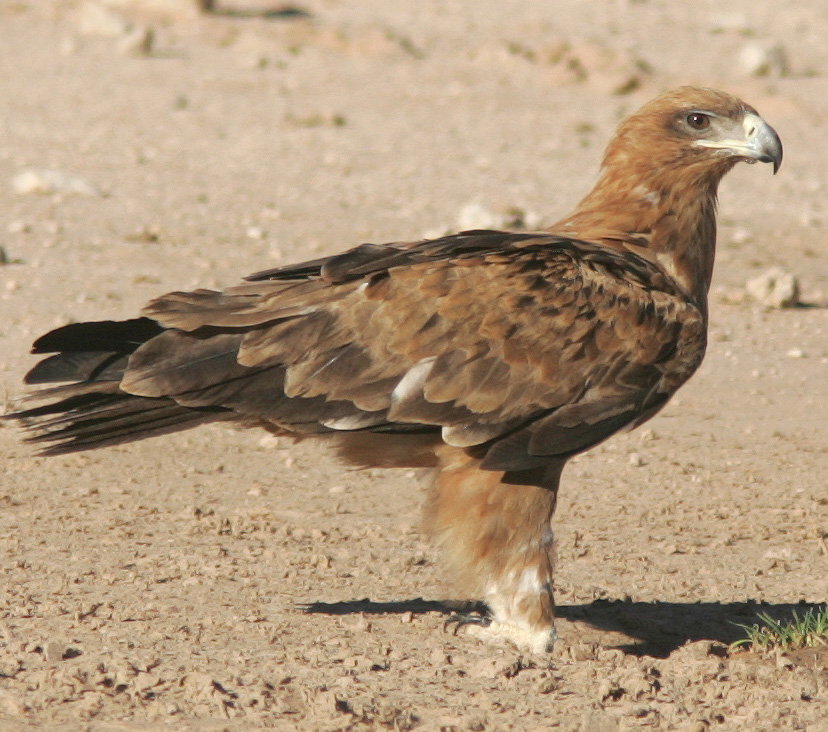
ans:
(491, 356)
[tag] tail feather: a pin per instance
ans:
(84, 421)
(122, 336)
(93, 411)
(76, 366)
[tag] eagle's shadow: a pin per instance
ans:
(637, 628)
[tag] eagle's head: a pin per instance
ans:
(701, 131)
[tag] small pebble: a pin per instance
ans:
(31, 181)
(740, 236)
(774, 288)
(762, 60)
(53, 651)
(268, 442)
(476, 216)
(18, 227)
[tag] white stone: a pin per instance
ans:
(18, 227)
(31, 181)
(268, 442)
(741, 236)
(756, 59)
(774, 288)
(475, 216)
(54, 651)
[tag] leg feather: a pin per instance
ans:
(494, 528)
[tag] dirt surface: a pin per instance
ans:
(159, 586)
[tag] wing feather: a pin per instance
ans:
(571, 341)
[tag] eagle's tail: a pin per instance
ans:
(91, 410)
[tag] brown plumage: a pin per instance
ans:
(491, 356)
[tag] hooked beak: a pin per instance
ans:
(759, 143)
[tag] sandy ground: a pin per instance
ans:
(158, 586)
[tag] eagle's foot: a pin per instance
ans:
(484, 626)
(525, 638)
(460, 620)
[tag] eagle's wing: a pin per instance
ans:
(568, 342)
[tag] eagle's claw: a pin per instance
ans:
(458, 620)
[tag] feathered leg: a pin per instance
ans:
(497, 537)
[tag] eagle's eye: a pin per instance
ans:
(698, 121)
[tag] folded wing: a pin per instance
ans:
(528, 346)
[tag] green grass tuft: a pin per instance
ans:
(807, 631)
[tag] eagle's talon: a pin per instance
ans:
(458, 620)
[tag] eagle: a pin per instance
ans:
(491, 357)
